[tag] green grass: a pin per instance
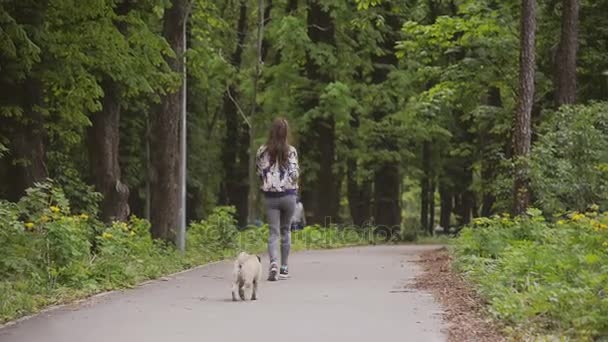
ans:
(434, 240)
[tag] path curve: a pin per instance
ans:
(353, 294)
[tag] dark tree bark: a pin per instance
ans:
(26, 134)
(359, 193)
(165, 145)
(292, 6)
(104, 139)
(26, 159)
(565, 63)
(468, 207)
(489, 160)
(236, 143)
(104, 142)
(522, 126)
(446, 208)
(425, 186)
(359, 196)
(328, 185)
(321, 197)
(387, 177)
(387, 207)
(267, 19)
(432, 206)
(29, 142)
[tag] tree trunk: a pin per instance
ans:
(104, 142)
(235, 150)
(27, 139)
(522, 127)
(26, 134)
(446, 208)
(468, 207)
(267, 18)
(165, 139)
(386, 197)
(328, 195)
(149, 171)
(320, 197)
(565, 66)
(252, 176)
(387, 177)
(31, 142)
(425, 186)
(359, 196)
(359, 193)
(489, 160)
(488, 197)
(292, 6)
(104, 139)
(432, 206)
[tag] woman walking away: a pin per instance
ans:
(277, 166)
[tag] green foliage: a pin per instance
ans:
(19, 53)
(82, 197)
(569, 163)
(49, 255)
(392, 78)
(127, 254)
(216, 235)
(544, 277)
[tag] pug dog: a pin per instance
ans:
(247, 275)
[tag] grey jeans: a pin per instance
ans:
(279, 211)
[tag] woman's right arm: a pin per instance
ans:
(294, 167)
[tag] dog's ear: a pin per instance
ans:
(259, 259)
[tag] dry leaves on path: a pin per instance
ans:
(464, 311)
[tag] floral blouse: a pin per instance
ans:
(276, 178)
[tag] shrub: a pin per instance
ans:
(569, 163)
(217, 235)
(548, 277)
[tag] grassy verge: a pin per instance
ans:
(48, 257)
(544, 280)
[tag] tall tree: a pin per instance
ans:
(359, 191)
(522, 131)
(104, 140)
(565, 61)
(22, 93)
(489, 144)
(165, 156)
(425, 188)
(322, 197)
(387, 177)
(260, 51)
(28, 140)
(235, 153)
(103, 145)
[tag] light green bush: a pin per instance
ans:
(546, 277)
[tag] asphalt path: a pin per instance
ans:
(353, 294)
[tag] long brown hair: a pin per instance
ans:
(277, 144)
